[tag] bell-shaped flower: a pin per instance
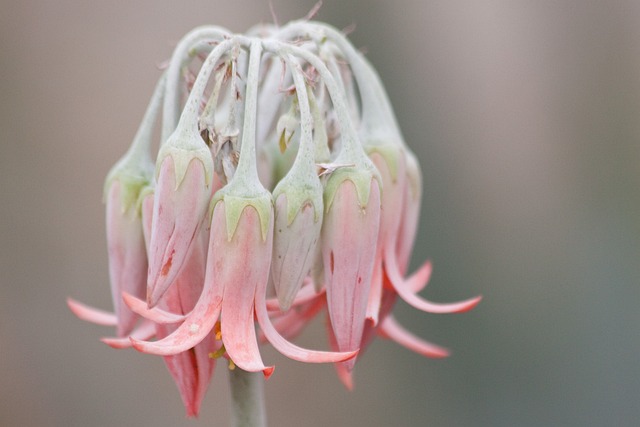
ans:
(298, 207)
(183, 190)
(388, 157)
(349, 236)
(192, 369)
(294, 246)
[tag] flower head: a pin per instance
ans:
(282, 189)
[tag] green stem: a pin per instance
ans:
(247, 393)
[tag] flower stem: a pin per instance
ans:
(247, 393)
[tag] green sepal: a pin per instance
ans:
(391, 153)
(134, 174)
(234, 204)
(300, 190)
(361, 179)
(183, 147)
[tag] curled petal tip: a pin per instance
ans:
(372, 319)
(406, 291)
(346, 376)
(391, 329)
(142, 346)
(471, 304)
(90, 314)
(268, 371)
(117, 343)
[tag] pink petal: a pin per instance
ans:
(205, 365)
(420, 278)
(199, 322)
(387, 302)
(345, 373)
(414, 300)
(389, 328)
(375, 294)
(349, 236)
(291, 323)
(127, 255)
(144, 331)
(287, 348)
(411, 197)
(90, 314)
(230, 261)
(156, 314)
(191, 369)
(392, 196)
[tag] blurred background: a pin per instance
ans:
(526, 118)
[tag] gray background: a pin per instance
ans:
(525, 116)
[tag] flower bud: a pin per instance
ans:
(293, 249)
(298, 220)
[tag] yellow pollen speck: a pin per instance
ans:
(218, 353)
(218, 331)
(232, 365)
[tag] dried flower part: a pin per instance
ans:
(282, 189)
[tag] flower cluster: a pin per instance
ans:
(282, 187)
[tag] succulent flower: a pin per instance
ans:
(283, 189)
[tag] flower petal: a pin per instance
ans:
(197, 324)
(90, 314)
(414, 300)
(375, 294)
(127, 255)
(144, 331)
(287, 348)
(390, 328)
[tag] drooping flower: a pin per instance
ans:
(279, 194)
(241, 236)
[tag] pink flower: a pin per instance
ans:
(218, 253)
(191, 369)
(349, 235)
